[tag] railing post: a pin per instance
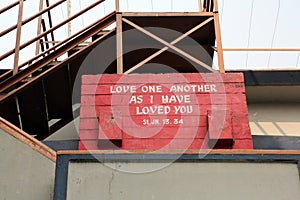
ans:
(216, 6)
(18, 37)
(117, 2)
(119, 42)
(50, 22)
(69, 15)
(37, 46)
(218, 37)
(200, 5)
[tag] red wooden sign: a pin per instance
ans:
(164, 111)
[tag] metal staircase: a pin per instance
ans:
(36, 95)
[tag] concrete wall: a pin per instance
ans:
(275, 119)
(24, 173)
(207, 181)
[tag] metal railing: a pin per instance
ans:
(41, 38)
(38, 38)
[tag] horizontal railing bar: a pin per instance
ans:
(32, 17)
(9, 7)
(261, 49)
(51, 29)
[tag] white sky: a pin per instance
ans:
(273, 23)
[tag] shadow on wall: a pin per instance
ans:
(274, 119)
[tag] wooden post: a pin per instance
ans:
(18, 37)
(119, 44)
(37, 46)
(218, 38)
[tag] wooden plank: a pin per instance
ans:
(163, 78)
(166, 133)
(240, 127)
(173, 121)
(162, 144)
(219, 125)
(92, 111)
(169, 45)
(27, 139)
(138, 122)
(167, 89)
(243, 144)
(201, 99)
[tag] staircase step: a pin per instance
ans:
(100, 34)
(76, 48)
(46, 67)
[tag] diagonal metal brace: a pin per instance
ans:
(168, 45)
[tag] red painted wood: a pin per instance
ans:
(240, 127)
(219, 87)
(88, 134)
(165, 121)
(162, 144)
(219, 124)
(92, 111)
(106, 117)
(219, 128)
(165, 133)
(202, 99)
(163, 78)
(243, 144)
